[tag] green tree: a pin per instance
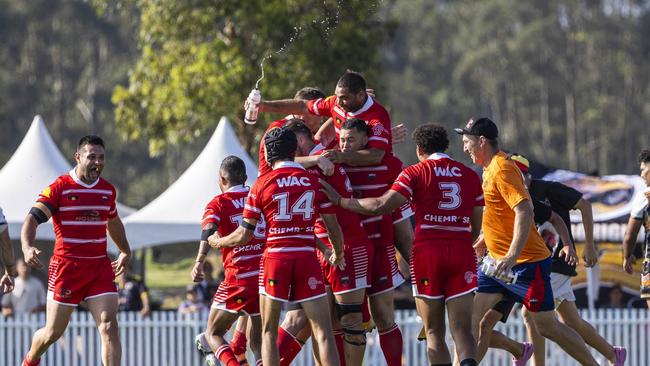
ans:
(199, 60)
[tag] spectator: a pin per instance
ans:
(133, 295)
(192, 303)
(615, 298)
(206, 288)
(28, 295)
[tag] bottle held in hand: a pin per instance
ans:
(489, 267)
(252, 106)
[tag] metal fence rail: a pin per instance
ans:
(166, 339)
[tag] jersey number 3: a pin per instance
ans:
(450, 194)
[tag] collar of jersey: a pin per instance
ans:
(369, 102)
(317, 148)
(436, 156)
(237, 189)
(73, 174)
(288, 164)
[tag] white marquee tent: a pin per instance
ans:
(36, 163)
(175, 215)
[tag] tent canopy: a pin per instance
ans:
(175, 215)
(36, 163)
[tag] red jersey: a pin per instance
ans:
(348, 220)
(372, 112)
(80, 213)
(444, 193)
(290, 200)
(241, 263)
(374, 181)
(262, 164)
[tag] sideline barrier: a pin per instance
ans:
(167, 339)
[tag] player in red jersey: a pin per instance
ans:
(289, 199)
(350, 100)
(448, 200)
(83, 208)
(238, 293)
(348, 286)
(312, 121)
(373, 181)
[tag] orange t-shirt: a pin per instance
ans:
(503, 189)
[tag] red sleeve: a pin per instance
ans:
(253, 206)
(51, 195)
(405, 184)
(379, 135)
(211, 214)
(321, 107)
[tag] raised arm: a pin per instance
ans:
(287, 106)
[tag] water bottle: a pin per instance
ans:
(252, 108)
(489, 266)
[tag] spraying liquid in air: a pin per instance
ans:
(255, 96)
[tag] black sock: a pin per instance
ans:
(468, 362)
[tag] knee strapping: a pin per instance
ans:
(355, 337)
(344, 309)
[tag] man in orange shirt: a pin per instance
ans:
(513, 242)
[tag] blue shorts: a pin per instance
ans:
(533, 286)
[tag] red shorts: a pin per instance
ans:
(291, 279)
(71, 280)
(443, 271)
(385, 274)
(355, 274)
(237, 299)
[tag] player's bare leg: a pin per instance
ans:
(57, 319)
(292, 335)
(460, 325)
(570, 316)
(538, 341)
(348, 315)
(255, 337)
(498, 339)
(549, 327)
(321, 327)
(104, 311)
(432, 313)
(239, 338)
(390, 337)
(483, 302)
(219, 321)
(270, 311)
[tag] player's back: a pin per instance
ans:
(443, 193)
(241, 263)
(290, 199)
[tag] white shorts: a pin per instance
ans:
(562, 290)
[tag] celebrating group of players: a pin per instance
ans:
(324, 219)
(317, 234)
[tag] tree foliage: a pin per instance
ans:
(199, 59)
(566, 80)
